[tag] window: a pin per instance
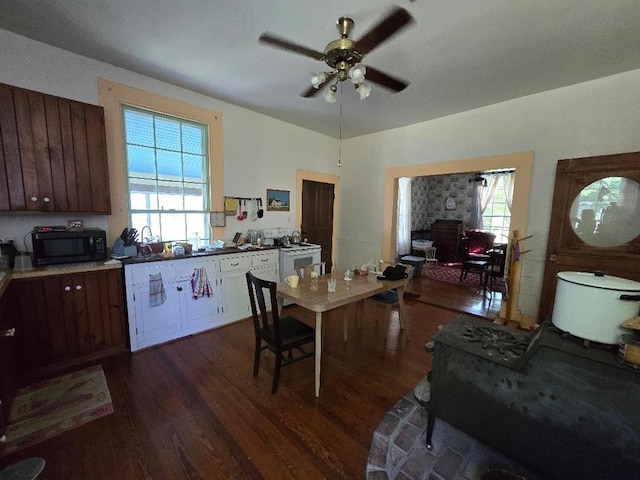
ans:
(496, 217)
(168, 174)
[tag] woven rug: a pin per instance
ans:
(451, 274)
(46, 409)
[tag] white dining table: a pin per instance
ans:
(315, 296)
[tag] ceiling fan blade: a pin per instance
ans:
(384, 80)
(279, 42)
(313, 91)
(395, 21)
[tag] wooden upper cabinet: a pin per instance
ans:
(53, 154)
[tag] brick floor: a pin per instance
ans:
(398, 450)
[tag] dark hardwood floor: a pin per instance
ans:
(191, 408)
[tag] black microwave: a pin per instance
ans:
(53, 247)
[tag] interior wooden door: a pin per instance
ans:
(317, 217)
(608, 239)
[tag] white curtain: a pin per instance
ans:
(403, 229)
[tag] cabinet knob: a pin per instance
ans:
(67, 288)
(8, 333)
(179, 289)
(78, 287)
(34, 199)
(46, 199)
(553, 258)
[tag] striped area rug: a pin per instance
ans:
(49, 408)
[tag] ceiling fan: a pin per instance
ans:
(344, 56)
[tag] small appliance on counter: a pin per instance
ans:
(57, 245)
(8, 252)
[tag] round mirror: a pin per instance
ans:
(606, 213)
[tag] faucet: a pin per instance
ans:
(142, 237)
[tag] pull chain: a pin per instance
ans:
(340, 139)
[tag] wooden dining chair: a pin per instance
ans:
(279, 335)
(305, 270)
(390, 299)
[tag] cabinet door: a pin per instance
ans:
(98, 308)
(235, 295)
(203, 311)
(9, 364)
(54, 154)
(156, 323)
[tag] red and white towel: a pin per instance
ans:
(200, 285)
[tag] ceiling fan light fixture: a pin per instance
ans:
(318, 79)
(357, 73)
(330, 95)
(364, 89)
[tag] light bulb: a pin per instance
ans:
(318, 79)
(330, 96)
(364, 89)
(357, 73)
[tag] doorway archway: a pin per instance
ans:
(522, 163)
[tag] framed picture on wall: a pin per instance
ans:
(277, 200)
(450, 203)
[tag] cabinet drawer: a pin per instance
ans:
(264, 259)
(184, 268)
(229, 264)
(140, 273)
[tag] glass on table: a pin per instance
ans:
(331, 284)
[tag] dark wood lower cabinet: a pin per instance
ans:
(70, 319)
(9, 364)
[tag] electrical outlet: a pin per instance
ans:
(10, 240)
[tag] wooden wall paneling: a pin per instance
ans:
(68, 153)
(56, 159)
(55, 325)
(83, 183)
(97, 148)
(10, 155)
(41, 152)
(25, 143)
(95, 310)
(114, 317)
(67, 321)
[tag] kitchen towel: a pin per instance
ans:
(200, 285)
(157, 295)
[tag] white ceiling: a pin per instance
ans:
(458, 55)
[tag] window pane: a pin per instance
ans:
(193, 139)
(141, 220)
(194, 196)
(193, 167)
(173, 226)
(143, 194)
(170, 196)
(169, 165)
(196, 225)
(141, 161)
(139, 128)
(167, 133)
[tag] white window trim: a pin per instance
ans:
(112, 95)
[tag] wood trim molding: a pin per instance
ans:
(112, 95)
(522, 162)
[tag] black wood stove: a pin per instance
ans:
(565, 409)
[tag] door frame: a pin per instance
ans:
(302, 175)
(522, 162)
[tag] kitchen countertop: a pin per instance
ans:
(159, 257)
(95, 266)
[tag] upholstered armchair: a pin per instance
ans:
(478, 242)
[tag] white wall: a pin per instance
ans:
(259, 152)
(594, 118)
